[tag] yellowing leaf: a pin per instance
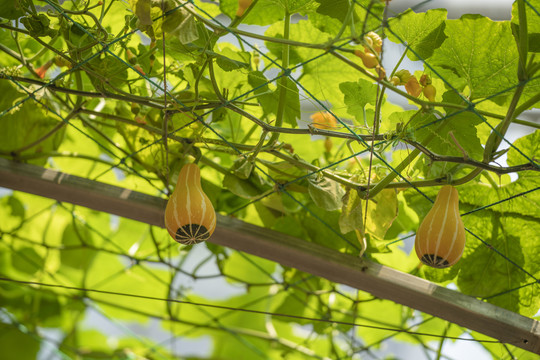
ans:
(382, 210)
(351, 213)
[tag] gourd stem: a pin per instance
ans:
(398, 63)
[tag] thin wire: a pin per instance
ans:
(222, 307)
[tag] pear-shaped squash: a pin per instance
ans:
(189, 217)
(440, 239)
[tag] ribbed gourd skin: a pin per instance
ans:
(190, 217)
(440, 239)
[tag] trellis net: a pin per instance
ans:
(293, 132)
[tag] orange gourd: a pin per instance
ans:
(189, 217)
(440, 239)
(323, 120)
(242, 7)
(368, 58)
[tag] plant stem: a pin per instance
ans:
(523, 41)
(348, 18)
(398, 63)
(398, 169)
(283, 81)
(497, 134)
(526, 123)
(526, 105)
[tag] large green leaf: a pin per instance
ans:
(27, 260)
(335, 9)
(26, 121)
(17, 345)
(325, 193)
(525, 149)
(485, 273)
(357, 95)
(12, 213)
(422, 32)
(11, 10)
(248, 268)
(479, 53)
(75, 239)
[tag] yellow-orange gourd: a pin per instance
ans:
(242, 7)
(189, 217)
(440, 239)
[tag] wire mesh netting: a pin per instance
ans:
(291, 121)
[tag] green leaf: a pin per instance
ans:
(322, 228)
(331, 15)
(113, 71)
(27, 260)
(483, 273)
(529, 146)
(242, 167)
(303, 31)
(351, 213)
(264, 13)
(10, 9)
(75, 236)
(284, 171)
(141, 8)
(248, 268)
(269, 99)
(17, 345)
(422, 32)
(230, 60)
(326, 193)
(26, 123)
(300, 300)
(406, 221)
(357, 95)
(12, 213)
(336, 9)
(246, 188)
(480, 51)
(289, 225)
(294, 6)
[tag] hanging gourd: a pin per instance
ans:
(440, 239)
(189, 217)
